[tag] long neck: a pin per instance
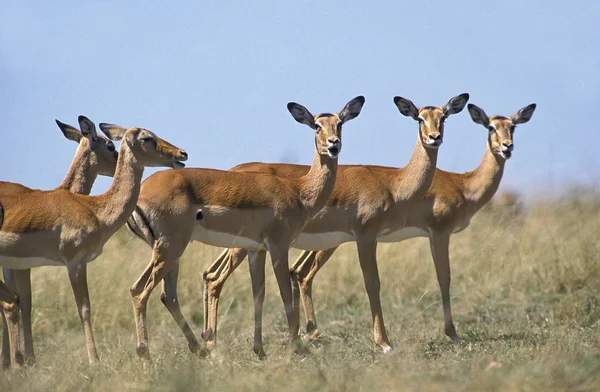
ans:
(118, 202)
(483, 182)
(317, 184)
(82, 172)
(415, 178)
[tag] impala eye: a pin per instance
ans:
(110, 146)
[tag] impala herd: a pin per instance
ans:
(251, 209)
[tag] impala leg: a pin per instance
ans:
(440, 243)
(279, 257)
(170, 300)
(78, 278)
(19, 281)
(140, 293)
(367, 255)
(305, 258)
(256, 262)
(11, 356)
(214, 279)
(302, 279)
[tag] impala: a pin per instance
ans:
(66, 229)
(258, 211)
(93, 157)
(446, 208)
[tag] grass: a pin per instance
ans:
(525, 296)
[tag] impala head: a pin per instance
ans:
(103, 154)
(149, 149)
(431, 118)
(501, 129)
(328, 127)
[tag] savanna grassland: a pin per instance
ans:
(525, 296)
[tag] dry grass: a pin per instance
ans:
(525, 294)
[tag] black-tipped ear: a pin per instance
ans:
(456, 104)
(406, 107)
(88, 128)
(69, 131)
(478, 115)
(352, 109)
(301, 114)
(112, 131)
(524, 115)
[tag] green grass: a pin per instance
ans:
(525, 296)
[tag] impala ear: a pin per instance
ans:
(406, 107)
(524, 115)
(88, 128)
(478, 115)
(456, 104)
(352, 109)
(69, 131)
(112, 131)
(301, 114)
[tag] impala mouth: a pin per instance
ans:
(178, 165)
(433, 143)
(505, 154)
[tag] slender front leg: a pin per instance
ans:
(140, 292)
(19, 281)
(78, 278)
(367, 255)
(279, 257)
(256, 262)
(171, 302)
(440, 243)
(9, 302)
(302, 279)
(214, 279)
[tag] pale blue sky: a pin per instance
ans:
(214, 77)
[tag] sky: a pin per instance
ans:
(214, 78)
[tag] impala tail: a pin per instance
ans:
(138, 224)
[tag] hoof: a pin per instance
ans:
(207, 335)
(388, 350)
(456, 340)
(258, 350)
(143, 352)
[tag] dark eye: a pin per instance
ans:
(110, 146)
(512, 129)
(147, 138)
(491, 129)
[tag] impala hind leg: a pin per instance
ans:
(78, 279)
(9, 303)
(214, 279)
(170, 300)
(303, 274)
(440, 243)
(256, 262)
(19, 282)
(367, 255)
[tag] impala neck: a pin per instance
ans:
(414, 179)
(82, 172)
(318, 183)
(118, 202)
(483, 182)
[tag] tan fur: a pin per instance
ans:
(92, 158)
(71, 229)
(446, 207)
(224, 208)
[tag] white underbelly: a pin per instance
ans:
(27, 262)
(402, 234)
(322, 241)
(225, 240)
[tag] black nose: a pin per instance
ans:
(507, 144)
(184, 154)
(436, 136)
(333, 141)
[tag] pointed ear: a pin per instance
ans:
(69, 131)
(352, 109)
(301, 114)
(406, 107)
(524, 115)
(112, 131)
(88, 128)
(456, 104)
(478, 115)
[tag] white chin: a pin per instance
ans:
(333, 156)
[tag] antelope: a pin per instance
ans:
(70, 229)
(258, 211)
(446, 208)
(93, 157)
